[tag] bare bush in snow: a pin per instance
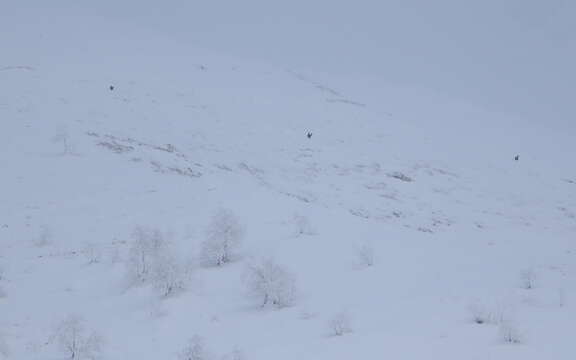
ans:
(480, 314)
(93, 252)
(271, 284)
(63, 138)
(509, 333)
(76, 341)
(527, 279)
(366, 255)
(486, 313)
(147, 245)
(4, 350)
(44, 237)
(169, 276)
(302, 225)
(195, 350)
(151, 260)
(223, 239)
(340, 324)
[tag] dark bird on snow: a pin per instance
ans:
(111, 87)
(516, 157)
(309, 135)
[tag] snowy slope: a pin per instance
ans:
(429, 184)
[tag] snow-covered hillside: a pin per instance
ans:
(402, 227)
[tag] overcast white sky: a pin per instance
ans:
(516, 56)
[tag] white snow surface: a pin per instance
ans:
(430, 183)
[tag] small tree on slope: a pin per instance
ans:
(147, 246)
(195, 350)
(152, 261)
(223, 239)
(169, 276)
(76, 341)
(271, 284)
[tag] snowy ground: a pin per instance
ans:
(426, 185)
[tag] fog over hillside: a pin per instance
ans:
(287, 180)
(511, 56)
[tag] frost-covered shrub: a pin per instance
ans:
(76, 341)
(146, 247)
(527, 279)
(195, 350)
(44, 237)
(302, 225)
(486, 313)
(480, 314)
(509, 333)
(4, 350)
(366, 255)
(169, 276)
(271, 284)
(340, 324)
(63, 138)
(93, 252)
(223, 238)
(151, 260)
